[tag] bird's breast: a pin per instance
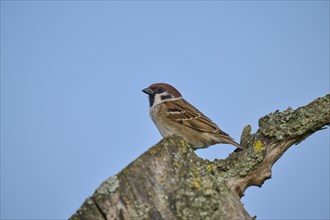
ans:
(159, 117)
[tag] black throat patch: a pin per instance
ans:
(151, 100)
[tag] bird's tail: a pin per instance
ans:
(230, 140)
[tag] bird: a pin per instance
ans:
(172, 114)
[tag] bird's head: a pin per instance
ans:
(161, 92)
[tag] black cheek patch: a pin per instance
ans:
(165, 97)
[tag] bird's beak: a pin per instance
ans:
(148, 91)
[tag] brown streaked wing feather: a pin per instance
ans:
(182, 112)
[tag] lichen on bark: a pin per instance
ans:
(169, 181)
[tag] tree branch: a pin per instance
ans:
(277, 132)
(170, 181)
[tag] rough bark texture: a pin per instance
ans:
(170, 181)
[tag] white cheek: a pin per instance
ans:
(157, 99)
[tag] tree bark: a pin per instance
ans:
(170, 181)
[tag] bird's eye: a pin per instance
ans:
(159, 90)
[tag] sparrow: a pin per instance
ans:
(172, 114)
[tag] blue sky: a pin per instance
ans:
(73, 114)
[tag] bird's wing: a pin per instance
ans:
(182, 112)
